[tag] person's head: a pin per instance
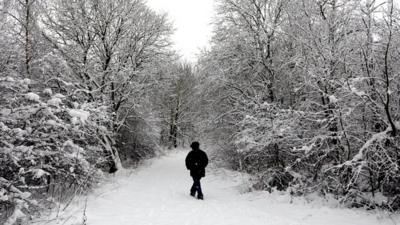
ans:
(195, 145)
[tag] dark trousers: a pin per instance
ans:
(196, 187)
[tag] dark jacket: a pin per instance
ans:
(196, 162)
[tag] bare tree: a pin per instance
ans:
(307, 87)
(25, 13)
(178, 106)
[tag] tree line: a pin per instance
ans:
(305, 95)
(86, 86)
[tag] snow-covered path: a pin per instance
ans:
(157, 194)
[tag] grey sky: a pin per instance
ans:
(191, 19)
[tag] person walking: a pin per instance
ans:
(196, 161)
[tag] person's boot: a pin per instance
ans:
(193, 191)
(200, 197)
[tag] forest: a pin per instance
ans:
(304, 95)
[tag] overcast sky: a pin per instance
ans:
(191, 19)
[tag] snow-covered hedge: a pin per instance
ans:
(289, 149)
(52, 146)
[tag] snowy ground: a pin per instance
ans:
(158, 194)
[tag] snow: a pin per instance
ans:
(3, 195)
(32, 97)
(5, 112)
(58, 95)
(75, 152)
(158, 193)
(38, 173)
(24, 149)
(10, 79)
(3, 127)
(52, 123)
(378, 198)
(47, 91)
(14, 217)
(26, 81)
(79, 114)
(19, 132)
(378, 137)
(25, 195)
(71, 147)
(249, 117)
(353, 83)
(306, 148)
(333, 99)
(54, 101)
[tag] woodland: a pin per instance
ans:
(304, 95)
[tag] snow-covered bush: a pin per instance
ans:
(265, 141)
(61, 127)
(306, 96)
(51, 145)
